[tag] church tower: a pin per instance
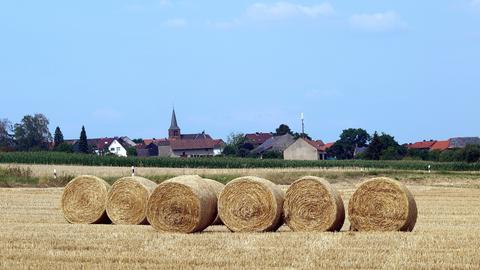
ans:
(174, 130)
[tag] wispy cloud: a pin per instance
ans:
(176, 23)
(286, 10)
(377, 22)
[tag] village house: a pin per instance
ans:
(305, 149)
(120, 146)
(182, 145)
(102, 146)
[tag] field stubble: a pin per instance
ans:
(34, 234)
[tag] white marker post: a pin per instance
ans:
(429, 169)
(54, 173)
(133, 171)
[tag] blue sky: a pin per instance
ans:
(408, 68)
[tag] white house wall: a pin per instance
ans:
(117, 149)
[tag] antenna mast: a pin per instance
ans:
(303, 125)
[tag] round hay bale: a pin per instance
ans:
(251, 204)
(184, 204)
(382, 204)
(217, 188)
(84, 200)
(312, 204)
(127, 200)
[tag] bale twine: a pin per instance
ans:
(127, 200)
(84, 200)
(251, 204)
(217, 188)
(312, 204)
(184, 204)
(382, 204)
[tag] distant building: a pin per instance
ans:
(256, 139)
(424, 145)
(102, 146)
(147, 150)
(276, 144)
(305, 149)
(452, 143)
(183, 145)
(461, 142)
(440, 145)
(120, 146)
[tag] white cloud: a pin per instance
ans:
(176, 23)
(377, 22)
(286, 10)
(276, 12)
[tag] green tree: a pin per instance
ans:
(131, 151)
(237, 145)
(282, 130)
(64, 147)
(471, 153)
(57, 137)
(272, 155)
(349, 140)
(301, 135)
(375, 148)
(83, 143)
(138, 140)
(229, 150)
(384, 147)
(32, 133)
(6, 138)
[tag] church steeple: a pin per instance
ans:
(174, 130)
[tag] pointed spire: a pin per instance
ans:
(173, 124)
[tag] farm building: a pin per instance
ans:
(305, 149)
(425, 145)
(257, 138)
(275, 143)
(182, 145)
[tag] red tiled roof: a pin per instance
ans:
(186, 144)
(422, 145)
(319, 145)
(149, 141)
(441, 145)
(259, 137)
(328, 145)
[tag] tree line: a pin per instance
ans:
(357, 143)
(32, 134)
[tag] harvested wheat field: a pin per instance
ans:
(34, 234)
